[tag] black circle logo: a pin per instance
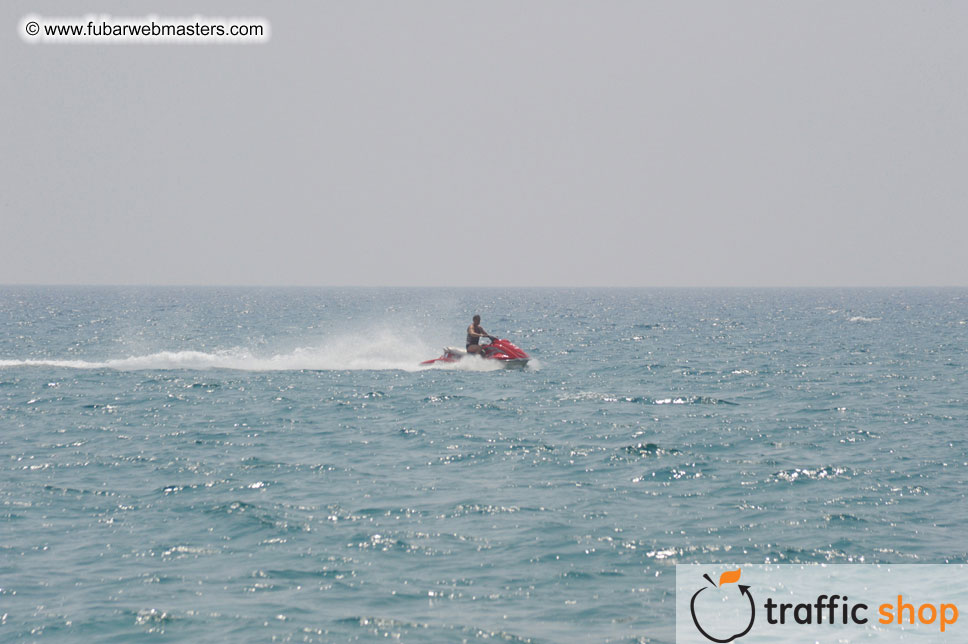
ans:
(730, 576)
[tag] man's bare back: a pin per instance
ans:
(474, 334)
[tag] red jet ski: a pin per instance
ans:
(503, 351)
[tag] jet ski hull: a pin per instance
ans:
(500, 351)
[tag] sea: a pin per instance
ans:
(273, 465)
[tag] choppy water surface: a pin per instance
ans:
(271, 464)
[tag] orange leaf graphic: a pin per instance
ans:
(729, 577)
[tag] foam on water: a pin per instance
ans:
(375, 352)
(379, 351)
(467, 364)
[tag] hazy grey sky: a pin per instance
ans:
(494, 143)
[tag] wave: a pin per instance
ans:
(301, 359)
(805, 474)
(590, 396)
(373, 352)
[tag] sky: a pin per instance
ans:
(542, 143)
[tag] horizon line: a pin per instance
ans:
(488, 286)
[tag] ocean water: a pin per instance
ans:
(255, 465)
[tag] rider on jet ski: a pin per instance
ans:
(474, 334)
(501, 352)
